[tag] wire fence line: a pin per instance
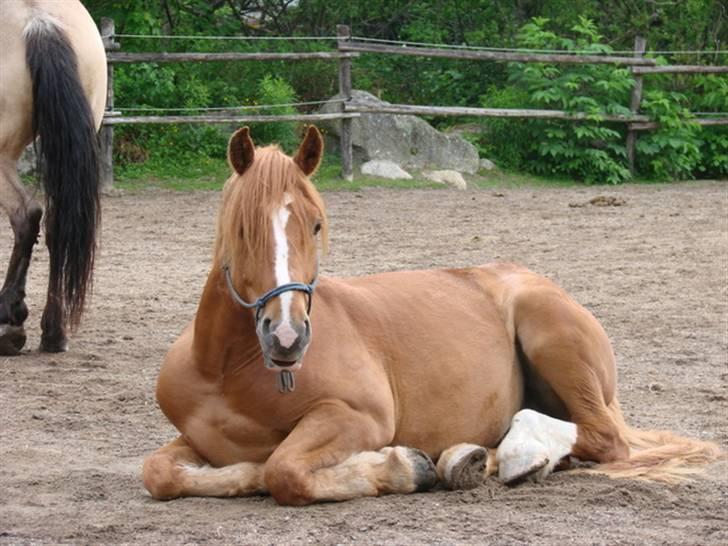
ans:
(405, 43)
(529, 50)
(230, 38)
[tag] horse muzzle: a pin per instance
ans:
(284, 343)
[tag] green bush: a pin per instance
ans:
(673, 149)
(274, 91)
(711, 95)
(589, 150)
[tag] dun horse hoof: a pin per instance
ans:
(462, 466)
(12, 339)
(53, 345)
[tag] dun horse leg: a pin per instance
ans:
(329, 457)
(176, 470)
(25, 215)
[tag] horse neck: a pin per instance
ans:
(224, 332)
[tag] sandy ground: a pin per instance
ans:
(75, 427)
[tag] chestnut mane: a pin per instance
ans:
(249, 199)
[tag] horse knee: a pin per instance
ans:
(160, 475)
(287, 484)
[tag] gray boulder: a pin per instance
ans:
(382, 168)
(449, 177)
(487, 164)
(403, 139)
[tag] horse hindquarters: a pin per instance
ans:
(63, 120)
(569, 352)
(564, 353)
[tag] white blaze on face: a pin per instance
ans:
(285, 333)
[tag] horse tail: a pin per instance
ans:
(658, 455)
(69, 162)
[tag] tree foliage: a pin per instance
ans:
(590, 150)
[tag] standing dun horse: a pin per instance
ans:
(52, 86)
(322, 389)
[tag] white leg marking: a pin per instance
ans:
(534, 444)
(285, 333)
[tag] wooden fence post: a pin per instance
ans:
(640, 45)
(106, 135)
(343, 33)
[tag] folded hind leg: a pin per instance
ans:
(564, 347)
(176, 470)
(24, 214)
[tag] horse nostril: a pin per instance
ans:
(266, 326)
(307, 329)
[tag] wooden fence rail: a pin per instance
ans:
(409, 109)
(471, 55)
(120, 57)
(227, 118)
(349, 49)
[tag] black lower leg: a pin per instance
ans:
(53, 337)
(13, 310)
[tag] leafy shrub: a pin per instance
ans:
(673, 149)
(590, 150)
(276, 91)
(711, 94)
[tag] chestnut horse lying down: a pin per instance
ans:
(324, 389)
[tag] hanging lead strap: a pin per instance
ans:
(286, 381)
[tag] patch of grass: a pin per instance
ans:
(183, 174)
(507, 179)
(203, 173)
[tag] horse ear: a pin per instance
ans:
(310, 152)
(241, 150)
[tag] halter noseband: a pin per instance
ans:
(259, 304)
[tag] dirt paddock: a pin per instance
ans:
(74, 427)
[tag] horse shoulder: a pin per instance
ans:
(180, 385)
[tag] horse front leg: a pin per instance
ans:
(25, 215)
(335, 454)
(177, 470)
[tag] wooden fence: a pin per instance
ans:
(348, 48)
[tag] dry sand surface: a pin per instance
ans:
(651, 262)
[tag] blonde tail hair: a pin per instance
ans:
(658, 455)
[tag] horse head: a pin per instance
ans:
(270, 222)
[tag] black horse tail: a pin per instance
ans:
(69, 164)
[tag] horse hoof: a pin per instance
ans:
(462, 466)
(425, 472)
(522, 468)
(57, 345)
(12, 339)
(409, 470)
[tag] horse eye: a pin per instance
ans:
(317, 228)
